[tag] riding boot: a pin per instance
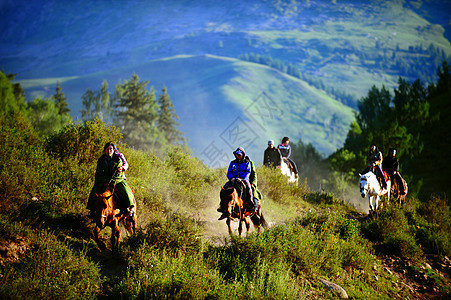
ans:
(223, 216)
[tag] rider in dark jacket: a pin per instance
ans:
(391, 166)
(272, 156)
(110, 170)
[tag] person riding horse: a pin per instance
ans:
(240, 167)
(272, 156)
(374, 162)
(110, 170)
(285, 150)
(391, 166)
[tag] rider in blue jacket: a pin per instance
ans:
(240, 167)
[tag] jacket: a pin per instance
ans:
(285, 150)
(272, 157)
(239, 169)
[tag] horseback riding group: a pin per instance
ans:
(112, 201)
(382, 177)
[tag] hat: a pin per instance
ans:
(238, 152)
(270, 142)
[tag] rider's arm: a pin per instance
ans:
(124, 161)
(229, 172)
(246, 172)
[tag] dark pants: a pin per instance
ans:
(295, 168)
(379, 174)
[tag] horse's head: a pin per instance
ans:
(103, 207)
(363, 185)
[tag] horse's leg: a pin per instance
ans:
(97, 240)
(240, 227)
(370, 202)
(377, 202)
(228, 225)
(248, 225)
(115, 235)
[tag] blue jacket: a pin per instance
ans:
(239, 169)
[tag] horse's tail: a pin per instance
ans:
(259, 221)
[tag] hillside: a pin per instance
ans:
(225, 93)
(336, 46)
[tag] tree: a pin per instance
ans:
(98, 105)
(60, 100)
(45, 117)
(12, 98)
(167, 118)
(137, 112)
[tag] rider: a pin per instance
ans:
(110, 170)
(272, 156)
(285, 150)
(240, 167)
(374, 162)
(391, 166)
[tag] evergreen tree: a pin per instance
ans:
(167, 118)
(98, 105)
(60, 100)
(137, 113)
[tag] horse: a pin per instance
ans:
(232, 203)
(396, 193)
(370, 187)
(108, 213)
(287, 169)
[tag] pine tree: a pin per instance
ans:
(137, 113)
(167, 117)
(60, 100)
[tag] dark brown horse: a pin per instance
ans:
(108, 213)
(399, 195)
(232, 202)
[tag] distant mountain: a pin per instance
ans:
(315, 51)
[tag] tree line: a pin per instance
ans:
(146, 122)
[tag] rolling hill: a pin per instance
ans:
(334, 47)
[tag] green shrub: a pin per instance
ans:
(49, 270)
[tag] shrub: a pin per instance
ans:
(50, 270)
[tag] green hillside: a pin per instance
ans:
(211, 92)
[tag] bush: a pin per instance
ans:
(50, 270)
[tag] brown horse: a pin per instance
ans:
(108, 213)
(233, 204)
(399, 195)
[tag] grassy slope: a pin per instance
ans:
(211, 92)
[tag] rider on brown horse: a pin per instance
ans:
(240, 167)
(110, 170)
(391, 166)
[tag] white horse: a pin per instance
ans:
(369, 186)
(285, 169)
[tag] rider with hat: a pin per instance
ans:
(240, 167)
(272, 156)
